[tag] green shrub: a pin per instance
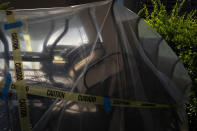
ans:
(180, 31)
(4, 6)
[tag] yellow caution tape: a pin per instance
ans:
(85, 98)
(62, 95)
(18, 65)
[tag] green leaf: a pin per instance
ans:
(4, 6)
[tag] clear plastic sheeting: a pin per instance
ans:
(101, 49)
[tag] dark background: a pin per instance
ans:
(134, 5)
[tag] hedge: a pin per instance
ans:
(180, 31)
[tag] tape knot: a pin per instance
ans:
(13, 25)
(6, 86)
(121, 2)
(107, 104)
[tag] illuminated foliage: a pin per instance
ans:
(4, 6)
(180, 31)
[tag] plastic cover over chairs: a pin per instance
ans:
(101, 49)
